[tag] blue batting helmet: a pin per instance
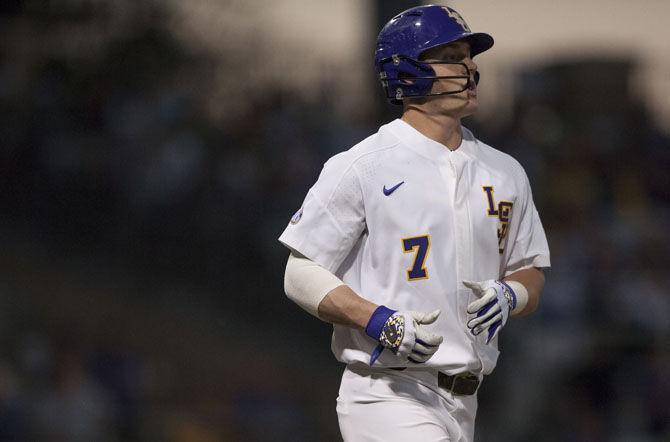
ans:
(402, 41)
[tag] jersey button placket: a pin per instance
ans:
(450, 177)
(461, 229)
(453, 174)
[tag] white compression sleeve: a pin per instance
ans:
(306, 283)
(521, 296)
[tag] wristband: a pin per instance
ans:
(377, 321)
(375, 327)
(521, 295)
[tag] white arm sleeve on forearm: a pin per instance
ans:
(306, 283)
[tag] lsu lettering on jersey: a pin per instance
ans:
(403, 221)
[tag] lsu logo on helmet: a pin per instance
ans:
(457, 18)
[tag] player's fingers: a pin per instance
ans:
(430, 317)
(488, 324)
(477, 305)
(493, 331)
(426, 338)
(485, 316)
(474, 286)
(424, 349)
(425, 318)
(419, 358)
(491, 306)
(416, 360)
(430, 345)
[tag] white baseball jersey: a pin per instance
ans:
(403, 221)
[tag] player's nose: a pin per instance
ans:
(472, 66)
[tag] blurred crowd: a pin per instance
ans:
(590, 364)
(142, 280)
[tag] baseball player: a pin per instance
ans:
(418, 244)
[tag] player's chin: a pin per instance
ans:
(470, 106)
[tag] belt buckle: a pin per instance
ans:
(465, 376)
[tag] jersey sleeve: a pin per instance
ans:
(527, 244)
(332, 216)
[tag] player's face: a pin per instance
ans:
(456, 105)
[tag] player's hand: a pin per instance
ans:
(404, 334)
(492, 309)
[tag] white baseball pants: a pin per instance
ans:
(389, 405)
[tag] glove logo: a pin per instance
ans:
(508, 295)
(393, 332)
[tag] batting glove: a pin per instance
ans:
(492, 309)
(403, 333)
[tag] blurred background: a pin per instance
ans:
(152, 151)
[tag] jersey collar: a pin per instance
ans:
(429, 148)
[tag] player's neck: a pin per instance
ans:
(443, 129)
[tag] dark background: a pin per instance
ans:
(141, 283)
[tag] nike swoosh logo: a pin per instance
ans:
(387, 192)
